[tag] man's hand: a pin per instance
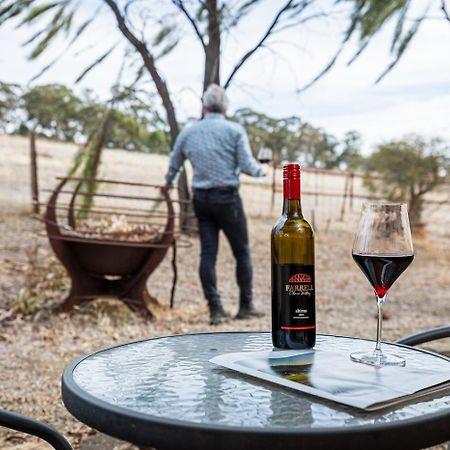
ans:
(265, 169)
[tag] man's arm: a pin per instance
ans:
(246, 162)
(176, 159)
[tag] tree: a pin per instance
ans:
(277, 134)
(135, 125)
(52, 109)
(350, 157)
(406, 170)
(10, 104)
(316, 147)
(292, 139)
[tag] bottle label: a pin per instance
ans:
(295, 296)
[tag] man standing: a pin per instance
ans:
(218, 150)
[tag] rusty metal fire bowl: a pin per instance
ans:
(110, 263)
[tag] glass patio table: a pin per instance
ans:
(164, 393)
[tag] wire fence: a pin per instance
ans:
(328, 196)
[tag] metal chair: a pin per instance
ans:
(27, 425)
(425, 336)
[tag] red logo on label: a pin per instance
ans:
(300, 278)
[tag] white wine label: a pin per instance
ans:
(294, 291)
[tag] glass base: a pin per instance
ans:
(377, 359)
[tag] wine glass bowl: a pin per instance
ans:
(383, 250)
(264, 155)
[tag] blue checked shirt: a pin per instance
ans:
(218, 150)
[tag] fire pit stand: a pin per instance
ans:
(106, 267)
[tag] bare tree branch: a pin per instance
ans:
(444, 10)
(304, 20)
(149, 62)
(180, 5)
(259, 44)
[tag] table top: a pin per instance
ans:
(165, 393)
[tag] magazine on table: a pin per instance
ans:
(335, 377)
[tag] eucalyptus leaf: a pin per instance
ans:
(95, 63)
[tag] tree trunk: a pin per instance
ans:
(212, 51)
(415, 210)
(34, 173)
(186, 210)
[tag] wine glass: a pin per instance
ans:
(264, 155)
(382, 249)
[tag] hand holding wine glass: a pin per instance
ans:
(383, 250)
(265, 157)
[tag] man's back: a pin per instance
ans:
(218, 150)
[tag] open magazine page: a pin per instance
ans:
(335, 377)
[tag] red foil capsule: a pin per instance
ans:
(291, 181)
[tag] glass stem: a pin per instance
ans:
(380, 301)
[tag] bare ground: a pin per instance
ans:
(37, 341)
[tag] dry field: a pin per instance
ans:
(36, 343)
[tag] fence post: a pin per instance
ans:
(34, 173)
(347, 179)
(352, 179)
(274, 184)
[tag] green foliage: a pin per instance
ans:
(59, 22)
(95, 63)
(294, 140)
(317, 148)
(55, 112)
(10, 102)
(406, 170)
(350, 157)
(135, 125)
(25, 303)
(369, 17)
(36, 11)
(11, 9)
(277, 134)
(53, 109)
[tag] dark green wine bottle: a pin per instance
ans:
(293, 289)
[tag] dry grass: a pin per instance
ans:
(36, 343)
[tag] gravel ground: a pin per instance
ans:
(37, 341)
(35, 348)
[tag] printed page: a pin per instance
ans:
(335, 377)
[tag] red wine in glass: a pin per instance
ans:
(383, 250)
(264, 155)
(382, 270)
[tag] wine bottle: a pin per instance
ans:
(293, 289)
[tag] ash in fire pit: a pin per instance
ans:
(118, 228)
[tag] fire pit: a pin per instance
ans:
(114, 251)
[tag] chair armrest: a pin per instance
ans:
(425, 336)
(27, 425)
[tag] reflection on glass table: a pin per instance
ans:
(165, 393)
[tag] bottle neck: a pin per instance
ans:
(292, 206)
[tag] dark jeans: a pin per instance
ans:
(221, 209)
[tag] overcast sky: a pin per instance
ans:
(415, 97)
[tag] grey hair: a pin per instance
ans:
(215, 99)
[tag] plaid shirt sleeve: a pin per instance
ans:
(177, 159)
(246, 162)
